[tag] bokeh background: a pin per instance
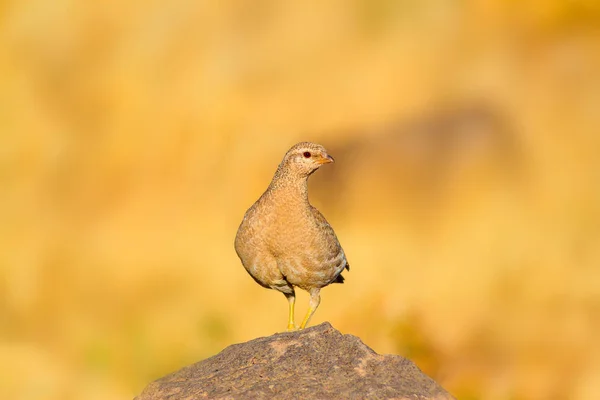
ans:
(466, 192)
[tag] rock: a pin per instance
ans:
(315, 363)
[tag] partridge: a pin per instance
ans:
(284, 242)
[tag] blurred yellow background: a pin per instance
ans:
(466, 189)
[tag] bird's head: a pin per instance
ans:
(305, 158)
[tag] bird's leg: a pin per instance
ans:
(292, 301)
(315, 299)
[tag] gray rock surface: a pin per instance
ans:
(315, 363)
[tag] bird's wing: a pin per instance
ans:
(323, 225)
(328, 232)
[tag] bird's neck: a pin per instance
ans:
(292, 186)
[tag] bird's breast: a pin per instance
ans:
(306, 250)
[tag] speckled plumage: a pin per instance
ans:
(285, 242)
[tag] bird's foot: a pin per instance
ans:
(291, 327)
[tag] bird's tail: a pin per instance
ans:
(340, 278)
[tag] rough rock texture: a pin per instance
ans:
(315, 363)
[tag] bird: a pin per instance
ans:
(284, 242)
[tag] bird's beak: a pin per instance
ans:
(326, 159)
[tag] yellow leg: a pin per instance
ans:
(315, 299)
(291, 300)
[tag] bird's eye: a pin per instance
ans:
(306, 154)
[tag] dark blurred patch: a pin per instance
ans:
(215, 329)
(420, 165)
(473, 359)
(411, 340)
(374, 17)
